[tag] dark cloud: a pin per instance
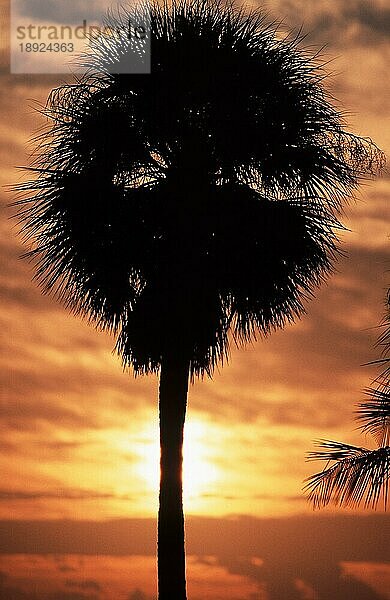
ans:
(35, 391)
(10, 592)
(120, 537)
(368, 22)
(269, 497)
(29, 409)
(273, 498)
(60, 595)
(344, 538)
(66, 569)
(336, 22)
(59, 446)
(137, 595)
(307, 550)
(86, 584)
(62, 11)
(62, 494)
(280, 580)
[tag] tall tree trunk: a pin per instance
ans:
(171, 554)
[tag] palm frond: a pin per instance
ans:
(352, 474)
(351, 477)
(384, 340)
(375, 413)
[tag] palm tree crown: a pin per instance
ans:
(173, 206)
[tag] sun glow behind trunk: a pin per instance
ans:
(199, 470)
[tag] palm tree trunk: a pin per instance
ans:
(171, 554)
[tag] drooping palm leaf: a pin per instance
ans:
(375, 413)
(384, 341)
(353, 475)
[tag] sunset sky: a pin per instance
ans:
(79, 437)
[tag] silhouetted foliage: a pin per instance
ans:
(353, 475)
(174, 207)
(171, 207)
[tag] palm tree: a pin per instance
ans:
(354, 475)
(174, 207)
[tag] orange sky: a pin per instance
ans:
(79, 437)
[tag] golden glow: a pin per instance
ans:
(199, 471)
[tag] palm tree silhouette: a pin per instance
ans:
(174, 207)
(354, 475)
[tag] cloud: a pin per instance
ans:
(61, 11)
(340, 537)
(119, 537)
(87, 584)
(66, 569)
(137, 595)
(287, 557)
(336, 22)
(313, 582)
(60, 595)
(63, 494)
(369, 224)
(267, 497)
(362, 22)
(11, 592)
